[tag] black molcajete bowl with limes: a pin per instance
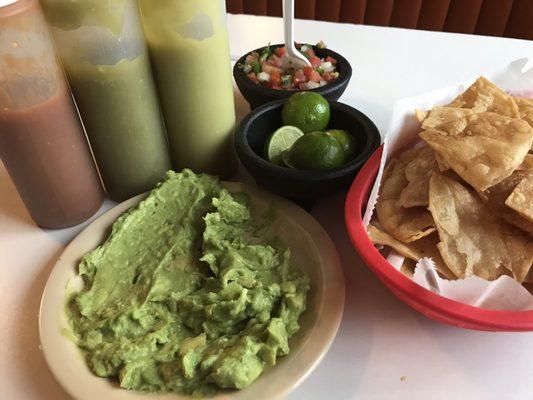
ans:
(302, 185)
(257, 95)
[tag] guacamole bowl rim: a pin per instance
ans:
(320, 322)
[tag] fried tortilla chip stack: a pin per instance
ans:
(464, 196)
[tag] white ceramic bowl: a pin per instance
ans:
(312, 250)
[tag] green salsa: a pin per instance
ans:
(188, 45)
(104, 54)
(119, 108)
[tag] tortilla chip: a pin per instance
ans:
(525, 109)
(425, 247)
(529, 276)
(408, 267)
(474, 241)
(417, 173)
(521, 199)
(485, 96)
(380, 237)
(487, 151)
(405, 224)
(443, 165)
(495, 197)
(527, 163)
(528, 286)
(420, 115)
(448, 119)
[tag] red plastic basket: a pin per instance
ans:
(428, 303)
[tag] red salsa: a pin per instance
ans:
(270, 68)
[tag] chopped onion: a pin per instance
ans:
(327, 66)
(263, 77)
(310, 85)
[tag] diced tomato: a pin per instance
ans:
(269, 68)
(275, 78)
(253, 77)
(315, 77)
(328, 77)
(299, 77)
(251, 57)
(275, 60)
(315, 61)
(271, 85)
(312, 75)
(331, 60)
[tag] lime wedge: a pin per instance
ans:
(286, 157)
(279, 141)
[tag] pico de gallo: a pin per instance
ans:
(270, 68)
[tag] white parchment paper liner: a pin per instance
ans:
(504, 293)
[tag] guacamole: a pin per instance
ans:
(190, 293)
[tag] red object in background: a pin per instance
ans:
(510, 18)
(428, 303)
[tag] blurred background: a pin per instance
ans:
(510, 18)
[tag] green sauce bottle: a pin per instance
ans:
(188, 45)
(102, 47)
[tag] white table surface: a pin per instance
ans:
(384, 350)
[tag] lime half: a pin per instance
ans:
(317, 151)
(279, 141)
(346, 140)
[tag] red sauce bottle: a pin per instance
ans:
(42, 143)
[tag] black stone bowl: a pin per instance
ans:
(299, 185)
(257, 95)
